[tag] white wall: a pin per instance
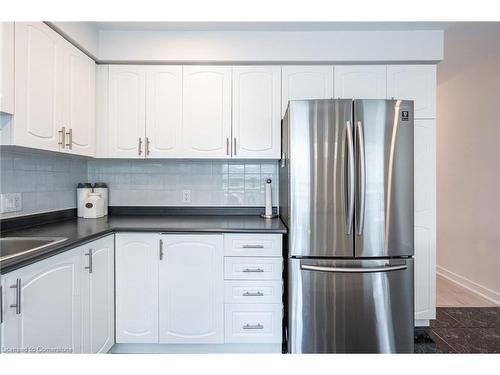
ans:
(468, 158)
(83, 34)
(264, 46)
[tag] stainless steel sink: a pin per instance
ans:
(11, 247)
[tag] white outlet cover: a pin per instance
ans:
(11, 202)
(186, 196)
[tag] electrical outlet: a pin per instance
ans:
(11, 202)
(186, 196)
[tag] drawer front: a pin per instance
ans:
(245, 291)
(261, 245)
(243, 268)
(253, 323)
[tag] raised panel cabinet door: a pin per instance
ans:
(7, 67)
(136, 257)
(206, 128)
(414, 82)
(39, 55)
(49, 316)
(305, 82)
(256, 112)
(192, 289)
(98, 296)
(79, 111)
(360, 81)
(425, 219)
(163, 111)
(127, 111)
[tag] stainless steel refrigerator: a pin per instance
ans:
(346, 196)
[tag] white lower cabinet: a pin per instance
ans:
(98, 304)
(191, 299)
(137, 257)
(253, 323)
(42, 307)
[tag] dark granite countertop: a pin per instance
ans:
(80, 231)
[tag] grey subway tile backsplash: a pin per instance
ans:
(47, 181)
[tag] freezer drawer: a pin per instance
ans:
(350, 306)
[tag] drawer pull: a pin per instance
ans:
(253, 246)
(253, 270)
(253, 294)
(253, 326)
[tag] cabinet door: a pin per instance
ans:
(425, 219)
(164, 111)
(305, 82)
(136, 258)
(256, 112)
(127, 106)
(50, 305)
(79, 102)
(98, 296)
(39, 54)
(7, 67)
(414, 82)
(206, 111)
(360, 82)
(191, 289)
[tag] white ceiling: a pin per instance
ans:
(269, 26)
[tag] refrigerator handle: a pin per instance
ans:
(306, 267)
(350, 178)
(362, 176)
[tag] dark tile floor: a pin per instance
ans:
(461, 330)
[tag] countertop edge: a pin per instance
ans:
(13, 264)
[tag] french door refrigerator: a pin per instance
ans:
(346, 196)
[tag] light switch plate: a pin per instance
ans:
(11, 202)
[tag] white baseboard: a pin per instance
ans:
(470, 285)
(195, 348)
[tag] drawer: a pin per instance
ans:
(244, 268)
(253, 323)
(262, 245)
(246, 291)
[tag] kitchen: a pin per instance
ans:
(235, 198)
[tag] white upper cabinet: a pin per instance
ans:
(256, 112)
(360, 82)
(414, 82)
(191, 289)
(206, 111)
(79, 104)
(163, 111)
(49, 304)
(7, 67)
(39, 73)
(305, 82)
(127, 116)
(136, 280)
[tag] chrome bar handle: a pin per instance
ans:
(90, 266)
(148, 142)
(62, 136)
(17, 305)
(234, 153)
(253, 294)
(70, 138)
(1, 304)
(253, 246)
(306, 267)
(362, 177)
(253, 326)
(161, 249)
(253, 270)
(140, 146)
(350, 178)
(227, 146)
